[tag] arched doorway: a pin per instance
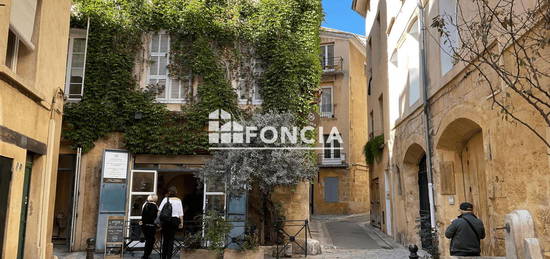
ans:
(417, 202)
(461, 144)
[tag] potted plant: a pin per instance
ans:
(210, 242)
(373, 149)
(247, 247)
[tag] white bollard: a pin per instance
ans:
(519, 226)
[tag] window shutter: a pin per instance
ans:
(22, 20)
(331, 189)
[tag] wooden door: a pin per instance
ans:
(375, 203)
(475, 190)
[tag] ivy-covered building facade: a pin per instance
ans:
(143, 78)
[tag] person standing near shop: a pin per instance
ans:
(149, 213)
(171, 219)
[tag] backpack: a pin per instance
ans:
(166, 213)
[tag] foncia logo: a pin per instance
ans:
(222, 129)
(230, 132)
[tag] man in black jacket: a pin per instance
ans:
(466, 232)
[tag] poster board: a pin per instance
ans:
(115, 164)
(112, 191)
(114, 237)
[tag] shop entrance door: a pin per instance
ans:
(142, 184)
(5, 180)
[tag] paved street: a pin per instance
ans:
(353, 237)
(340, 237)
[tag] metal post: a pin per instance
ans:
(413, 249)
(90, 249)
(306, 226)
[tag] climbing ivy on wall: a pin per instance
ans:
(213, 40)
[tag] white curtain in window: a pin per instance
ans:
(326, 101)
(413, 51)
(448, 10)
(22, 19)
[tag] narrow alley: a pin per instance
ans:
(352, 236)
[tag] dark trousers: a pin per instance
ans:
(168, 232)
(149, 233)
(464, 254)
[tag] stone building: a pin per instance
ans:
(340, 185)
(87, 196)
(32, 72)
(446, 144)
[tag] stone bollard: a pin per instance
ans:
(520, 241)
(413, 249)
(90, 249)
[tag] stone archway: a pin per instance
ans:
(460, 149)
(416, 199)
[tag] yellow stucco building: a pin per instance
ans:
(32, 73)
(469, 151)
(342, 184)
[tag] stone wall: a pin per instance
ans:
(515, 171)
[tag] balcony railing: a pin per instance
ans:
(337, 159)
(326, 110)
(332, 65)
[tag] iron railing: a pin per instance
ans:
(336, 158)
(332, 64)
(289, 233)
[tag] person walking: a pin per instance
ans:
(466, 232)
(148, 227)
(171, 219)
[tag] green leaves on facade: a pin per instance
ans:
(209, 38)
(373, 149)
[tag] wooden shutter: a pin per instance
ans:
(331, 189)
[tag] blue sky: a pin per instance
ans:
(338, 15)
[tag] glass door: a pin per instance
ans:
(142, 184)
(214, 196)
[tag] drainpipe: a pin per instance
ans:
(426, 109)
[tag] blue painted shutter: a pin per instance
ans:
(331, 189)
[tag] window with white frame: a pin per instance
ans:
(448, 11)
(251, 95)
(327, 56)
(332, 147)
(326, 106)
(409, 53)
(169, 90)
(12, 51)
(76, 63)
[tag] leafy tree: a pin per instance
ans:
(505, 43)
(245, 169)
